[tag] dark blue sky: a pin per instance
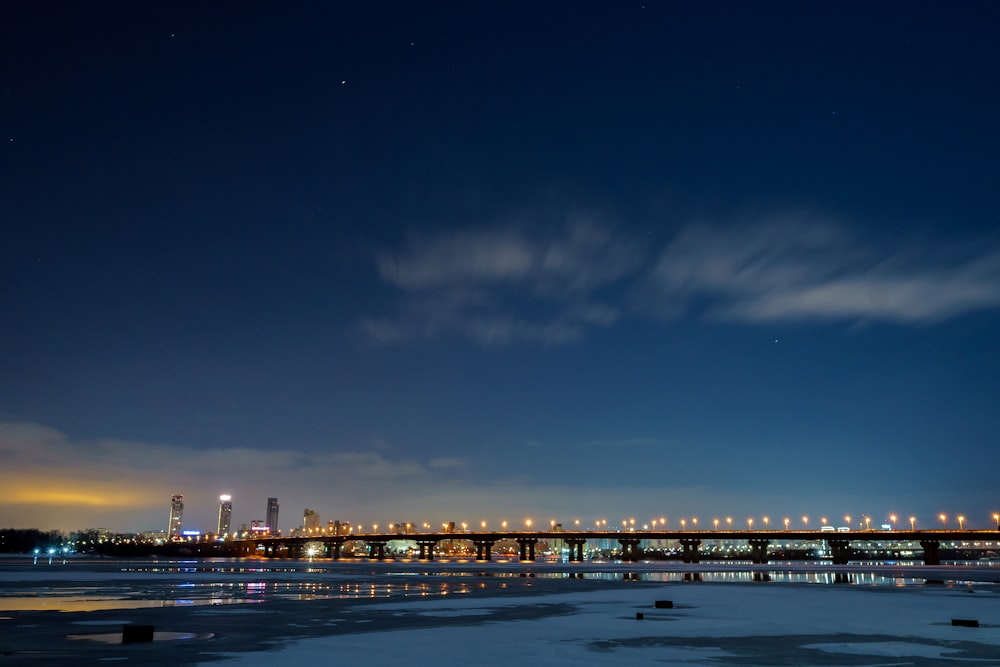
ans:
(483, 262)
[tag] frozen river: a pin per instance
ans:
(257, 612)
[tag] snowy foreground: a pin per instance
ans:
(710, 624)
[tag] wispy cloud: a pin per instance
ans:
(504, 285)
(795, 270)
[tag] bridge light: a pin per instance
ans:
(996, 517)
(715, 522)
(787, 521)
(847, 518)
(729, 522)
(944, 520)
(961, 521)
(683, 524)
(749, 523)
(913, 523)
(892, 517)
(694, 522)
(766, 521)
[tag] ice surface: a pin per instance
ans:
(710, 624)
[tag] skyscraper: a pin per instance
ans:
(225, 515)
(272, 515)
(176, 515)
(310, 520)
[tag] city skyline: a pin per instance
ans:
(665, 259)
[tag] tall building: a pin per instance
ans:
(225, 515)
(310, 520)
(272, 515)
(176, 515)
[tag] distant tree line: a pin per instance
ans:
(26, 540)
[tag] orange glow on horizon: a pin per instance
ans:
(28, 493)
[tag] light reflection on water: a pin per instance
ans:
(138, 584)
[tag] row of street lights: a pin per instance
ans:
(629, 525)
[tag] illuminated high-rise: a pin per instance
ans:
(176, 515)
(272, 515)
(225, 515)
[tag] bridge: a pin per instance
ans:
(839, 543)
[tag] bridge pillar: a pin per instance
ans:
(840, 550)
(932, 552)
(630, 549)
(576, 548)
(758, 550)
(426, 549)
(527, 547)
(376, 549)
(690, 552)
(484, 549)
(333, 547)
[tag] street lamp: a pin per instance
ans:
(766, 522)
(503, 524)
(944, 520)
(961, 521)
(868, 522)
(787, 521)
(805, 522)
(694, 522)
(527, 523)
(683, 524)
(996, 517)
(913, 523)
(892, 517)
(716, 523)
(749, 523)
(729, 522)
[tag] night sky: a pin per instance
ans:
(469, 261)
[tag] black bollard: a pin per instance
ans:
(136, 634)
(639, 616)
(664, 604)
